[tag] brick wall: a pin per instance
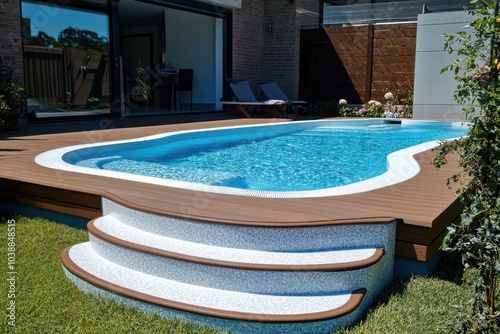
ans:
(248, 31)
(261, 55)
(11, 49)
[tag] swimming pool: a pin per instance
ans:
(295, 159)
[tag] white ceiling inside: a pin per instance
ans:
(135, 13)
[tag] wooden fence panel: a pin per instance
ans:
(394, 48)
(44, 72)
(357, 63)
(65, 77)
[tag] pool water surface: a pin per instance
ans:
(296, 159)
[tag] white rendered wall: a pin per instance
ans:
(433, 92)
(190, 41)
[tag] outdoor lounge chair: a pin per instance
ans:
(273, 91)
(246, 99)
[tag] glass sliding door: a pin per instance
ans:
(66, 59)
(159, 40)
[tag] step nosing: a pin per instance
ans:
(382, 220)
(355, 298)
(378, 253)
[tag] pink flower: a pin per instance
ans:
(481, 74)
(371, 102)
(389, 96)
(342, 101)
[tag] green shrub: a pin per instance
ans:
(325, 108)
(346, 111)
(12, 98)
(403, 96)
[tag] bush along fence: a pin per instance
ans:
(397, 105)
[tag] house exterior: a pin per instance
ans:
(81, 57)
(93, 58)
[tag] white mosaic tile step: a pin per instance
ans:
(115, 228)
(85, 258)
(294, 280)
(283, 239)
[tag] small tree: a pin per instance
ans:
(477, 236)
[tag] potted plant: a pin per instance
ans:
(141, 91)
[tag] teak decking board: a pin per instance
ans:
(424, 205)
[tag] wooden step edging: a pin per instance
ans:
(238, 222)
(353, 302)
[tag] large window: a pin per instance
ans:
(66, 60)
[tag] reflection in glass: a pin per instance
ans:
(355, 12)
(66, 60)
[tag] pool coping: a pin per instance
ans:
(402, 165)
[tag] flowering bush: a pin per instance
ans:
(481, 74)
(345, 110)
(390, 110)
(371, 108)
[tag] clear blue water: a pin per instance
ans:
(268, 159)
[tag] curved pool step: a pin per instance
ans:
(251, 271)
(282, 278)
(81, 261)
(115, 232)
(324, 235)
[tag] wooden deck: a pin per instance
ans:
(423, 205)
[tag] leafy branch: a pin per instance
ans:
(477, 236)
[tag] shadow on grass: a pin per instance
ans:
(449, 269)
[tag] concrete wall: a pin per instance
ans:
(433, 94)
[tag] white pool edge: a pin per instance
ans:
(401, 167)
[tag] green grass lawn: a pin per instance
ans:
(47, 302)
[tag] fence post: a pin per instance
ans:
(369, 63)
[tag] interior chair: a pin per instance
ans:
(185, 84)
